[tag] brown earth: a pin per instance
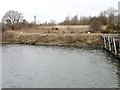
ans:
(52, 37)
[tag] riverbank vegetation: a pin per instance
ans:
(45, 38)
(73, 30)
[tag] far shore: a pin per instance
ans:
(49, 36)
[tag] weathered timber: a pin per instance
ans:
(112, 44)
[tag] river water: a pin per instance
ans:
(25, 66)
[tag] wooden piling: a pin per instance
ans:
(112, 44)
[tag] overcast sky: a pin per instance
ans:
(46, 10)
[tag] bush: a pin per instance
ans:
(110, 26)
(115, 28)
(105, 31)
(3, 27)
(95, 25)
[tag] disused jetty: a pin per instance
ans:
(112, 44)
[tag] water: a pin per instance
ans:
(25, 66)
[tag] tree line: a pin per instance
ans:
(14, 20)
(105, 17)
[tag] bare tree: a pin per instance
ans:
(110, 14)
(84, 20)
(75, 20)
(95, 24)
(102, 18)
(52, 22)
(67, 21)
(12, 17)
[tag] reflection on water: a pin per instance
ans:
(40, 66)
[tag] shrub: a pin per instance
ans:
(110, 26)
(3, 27)
(105, 31)
(115, 28)
(95, 25)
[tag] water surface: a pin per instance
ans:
(27, 66)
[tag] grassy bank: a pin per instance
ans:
(34, 37)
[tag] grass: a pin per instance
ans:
(45, 35)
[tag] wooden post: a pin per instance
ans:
(119, 47)
(114, 46)
(109, 43)
(105, 46)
